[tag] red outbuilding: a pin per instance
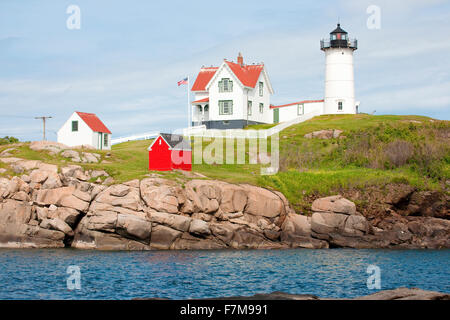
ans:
(168, 152)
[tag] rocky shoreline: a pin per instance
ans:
(395, 294)
(48, 207)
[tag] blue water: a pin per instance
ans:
(340, 273)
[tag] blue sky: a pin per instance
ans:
(125, 61)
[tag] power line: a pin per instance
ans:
(14, 116)
(43, 122)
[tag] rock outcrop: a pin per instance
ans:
(325, 134)
(159, 214)
(395, 294)
(47, 207)
(55, 148)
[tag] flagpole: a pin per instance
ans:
(189, 109)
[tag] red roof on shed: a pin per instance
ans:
(93, 122)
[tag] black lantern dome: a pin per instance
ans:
(339, 39)
(338, 30)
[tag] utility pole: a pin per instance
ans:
(43, 121)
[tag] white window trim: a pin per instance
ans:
(222, 105)
(229, 85)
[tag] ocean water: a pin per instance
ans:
(339, 273)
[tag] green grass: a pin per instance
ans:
(127, 160)
(346, 122)
(297, 186)
(312, 166)
(261, 126)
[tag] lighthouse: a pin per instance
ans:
(339, 79)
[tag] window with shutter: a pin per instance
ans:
(225, 85)
(225, 107)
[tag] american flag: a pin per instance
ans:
(184, 81)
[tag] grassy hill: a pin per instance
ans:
(375, 150)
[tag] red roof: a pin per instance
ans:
(201, 100)
(203, 78)
(247, 74)
(93, 122)
(295, 103)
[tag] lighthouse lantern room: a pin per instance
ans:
(339, 79)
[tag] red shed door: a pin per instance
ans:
(159, 157)
(182, 160)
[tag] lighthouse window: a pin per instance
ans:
(340, 105)
(333, 37)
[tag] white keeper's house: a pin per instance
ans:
(85, 129)
(232, 96)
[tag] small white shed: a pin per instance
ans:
(85, 129)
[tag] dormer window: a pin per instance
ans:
(225, 85)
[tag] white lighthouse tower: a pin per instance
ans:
(339, 80)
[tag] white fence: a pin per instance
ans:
(201, 131)
(142, 136)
